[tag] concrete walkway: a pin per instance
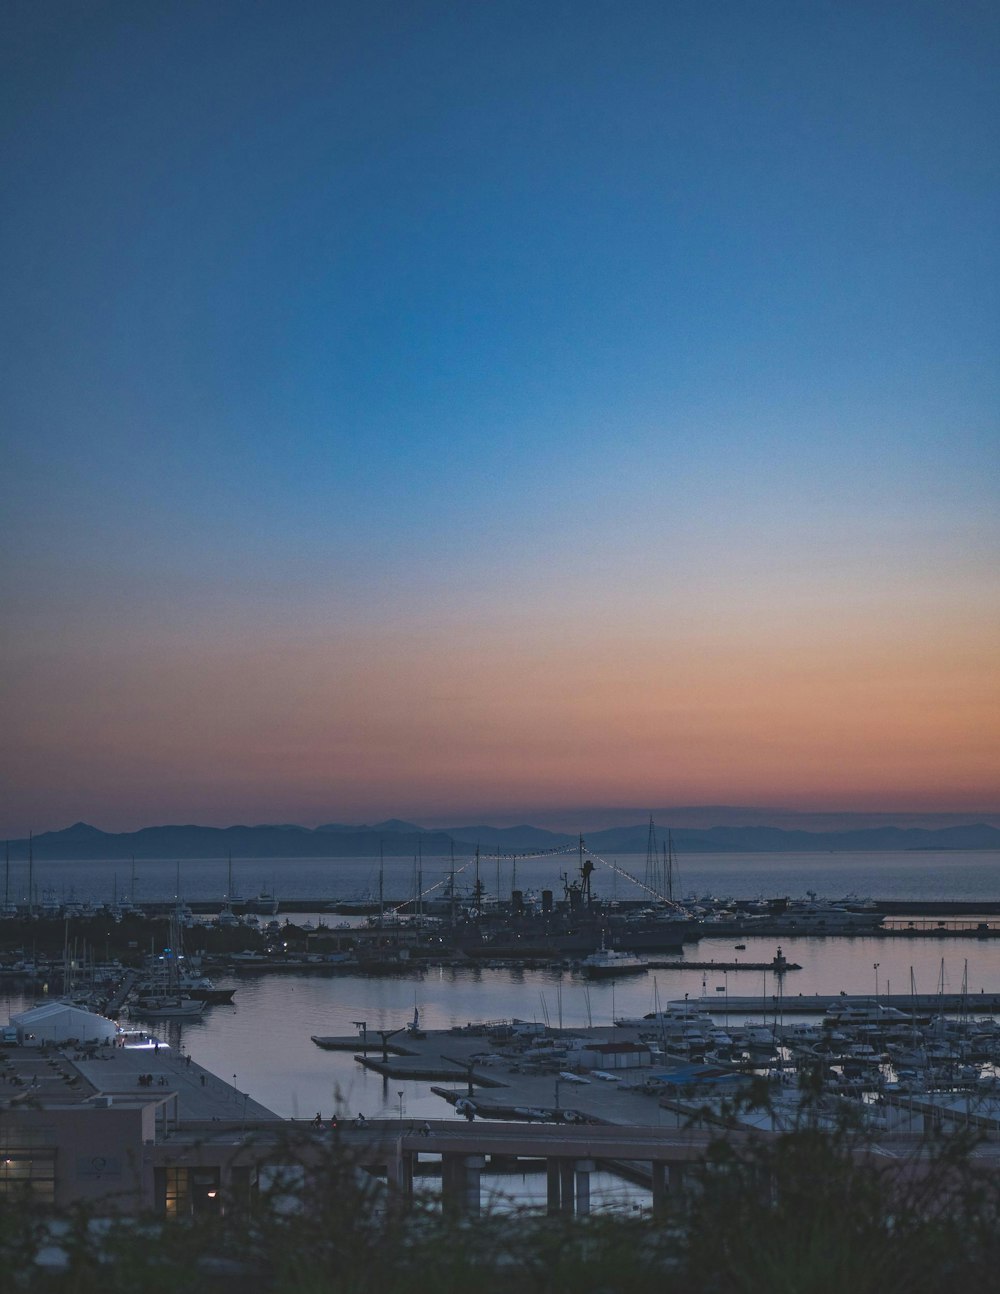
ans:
(202, 1095)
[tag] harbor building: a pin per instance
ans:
(134, 1127)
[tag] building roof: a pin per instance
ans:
(56, 1011)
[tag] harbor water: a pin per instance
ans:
(263, 1042)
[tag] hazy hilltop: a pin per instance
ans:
(397, 838)
(82, 841)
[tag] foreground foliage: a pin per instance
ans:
(808, 1212)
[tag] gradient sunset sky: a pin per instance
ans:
(463, 410)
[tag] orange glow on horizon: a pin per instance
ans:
(434, 722)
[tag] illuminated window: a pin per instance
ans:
(30, 1173)
(177, 1196)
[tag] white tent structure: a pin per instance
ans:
(61, 1022)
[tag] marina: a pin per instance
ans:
(540, 1051)
(293, 1076)
(315, 988)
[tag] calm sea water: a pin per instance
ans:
(890, 875)
(263, 1042)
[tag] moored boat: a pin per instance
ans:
(607, 962)
(168, 1008)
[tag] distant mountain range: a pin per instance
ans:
(402, 839)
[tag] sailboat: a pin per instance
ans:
(182, 912)
(227, 917)
(163, 998)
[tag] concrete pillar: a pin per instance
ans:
(553, 1193)
(472, 1167)
(450, 1206)
(399, 1172)
(460, 1184)
(581, 1172)
(568, 1200)
(660, 1190)
(668, 1179)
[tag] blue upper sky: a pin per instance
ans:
(324, 321)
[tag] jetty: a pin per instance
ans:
(774, 965)
(982, 1003)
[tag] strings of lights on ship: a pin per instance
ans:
(498, 858)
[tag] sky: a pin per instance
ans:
(459, 411)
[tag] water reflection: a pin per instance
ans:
(265, 1039)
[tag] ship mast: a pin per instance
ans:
(652, 860)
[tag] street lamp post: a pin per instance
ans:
(400, 1095)
(875, 968)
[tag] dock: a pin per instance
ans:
(121, 991)
(820, 1003)
(351, 1042)
(773, 966)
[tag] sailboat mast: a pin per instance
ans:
(652, 860)
(675, 871)
(31, 877)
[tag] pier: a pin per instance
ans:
(774, 966)
(821, 1003)
(665, 1156)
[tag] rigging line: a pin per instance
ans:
(661, 898)
(431, 888)
(541, 853)
(537, 853)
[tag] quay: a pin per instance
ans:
(773, 965)
(150, 1129)
(352, 1042)
(938, 907)
(981, 1003)
(362, 907)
